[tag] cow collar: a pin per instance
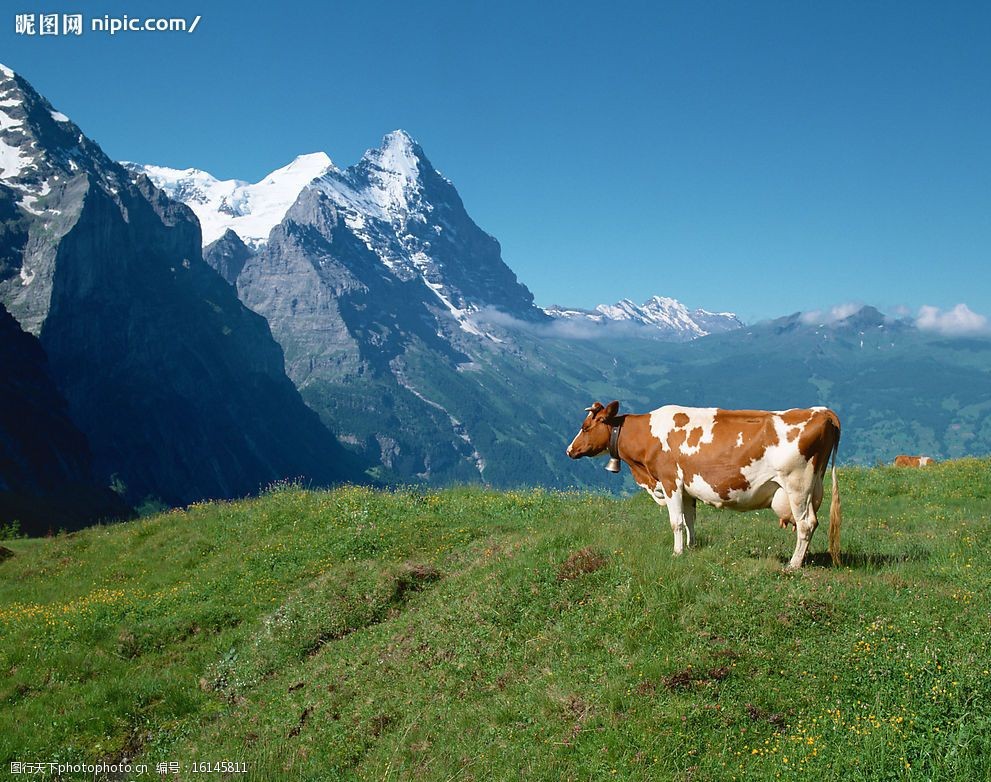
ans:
(613, 465)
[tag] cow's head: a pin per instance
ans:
(593, 438)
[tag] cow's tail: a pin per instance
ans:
(835, 511)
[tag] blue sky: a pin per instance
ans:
(756, 157)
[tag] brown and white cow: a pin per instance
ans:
(912, 461)
(739, 459)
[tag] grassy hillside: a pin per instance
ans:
(467, 634)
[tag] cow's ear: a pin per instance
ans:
(594, 409)
(610, 411)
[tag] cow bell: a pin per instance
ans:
(613, 463)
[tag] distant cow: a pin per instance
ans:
(912, 461)
(739, 459)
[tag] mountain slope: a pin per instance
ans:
(227, 256)
(343, 319)
(179, 388)
(390, 344)
(46, 475)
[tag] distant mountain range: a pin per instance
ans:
(371, 295)
(659, 317)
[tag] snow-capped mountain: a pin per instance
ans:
(46, 167)
(412, 218)
(251, 210)
(393, 200)
(668, 317)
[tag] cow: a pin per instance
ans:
(739, 459)
(912, 461)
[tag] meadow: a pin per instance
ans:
(467, 634)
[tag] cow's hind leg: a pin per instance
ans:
(803, 512)
(677, 514)
(688, 507)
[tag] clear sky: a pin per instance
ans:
(749, 156)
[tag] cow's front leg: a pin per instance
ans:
(689, 513)
(676, 512)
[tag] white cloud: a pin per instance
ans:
(834, 315)
(957, 321)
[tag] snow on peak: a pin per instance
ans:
(397, 154)
(386, 181)
(7, 72)
(251, 210)
(381, 194)
(663, 313)
(303, 170)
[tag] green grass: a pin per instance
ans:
(357, 634)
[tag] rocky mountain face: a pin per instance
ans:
(179, 388)
(46, 470)
(227, 255)
(374, 272)
(659, 317)
(408, 215)
(414, 221)
(346, 322)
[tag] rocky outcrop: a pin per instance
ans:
(227, 256)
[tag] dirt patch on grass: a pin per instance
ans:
(718, 673)
(379, 724)
(682, 680)
(303, 717)
(757, 714)
(647, 688)
(5, 553)
(580, 563)
(816, 610)
(578, 711)
(412, 577)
